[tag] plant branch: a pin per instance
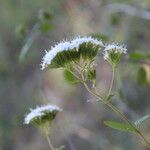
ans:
(118, 112)
(112, 81)
(49, 142)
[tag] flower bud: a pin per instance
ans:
(113, 52)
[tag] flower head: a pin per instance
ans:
(42, 114)
(67, 51)
(112, 53)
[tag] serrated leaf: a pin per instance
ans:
(120, 126)
(140, 121)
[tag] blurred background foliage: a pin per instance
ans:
(28, 28)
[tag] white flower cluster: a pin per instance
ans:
(116, 48)
(39, 112)
(65, 46)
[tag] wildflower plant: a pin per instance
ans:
(77, 58)
(74, 56)
(42, 117)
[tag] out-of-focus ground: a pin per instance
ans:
(23, 85)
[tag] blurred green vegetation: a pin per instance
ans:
(24, 85)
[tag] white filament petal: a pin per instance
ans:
(39, 111)
(65, 46)
(114, 48)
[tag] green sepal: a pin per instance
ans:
(114, 58)
(64, 58)
(91, 74)
(88, 50)
(47, 117)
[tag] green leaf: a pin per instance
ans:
(142, 76)
(139, 56)
(140, 121)
(120, 126)
(70, 78)
(45, 26)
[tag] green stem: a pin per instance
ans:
(49, 142)
(118, 112)
(112, 81)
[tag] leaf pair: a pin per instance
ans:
(126, 127)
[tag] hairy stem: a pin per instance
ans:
(49, 142)
(117, 111)
(112, 81)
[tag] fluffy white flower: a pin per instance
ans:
(115, 48)
(65, 46)
(40, 111)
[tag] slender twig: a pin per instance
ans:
(49, 142)
(46, 130)
(117, 111)
(112, 81)
(29, 41)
